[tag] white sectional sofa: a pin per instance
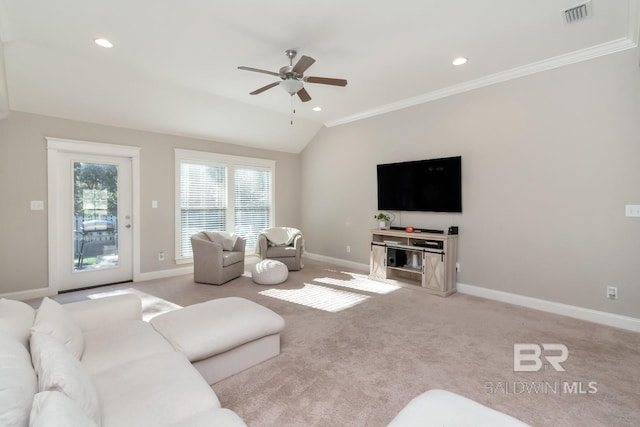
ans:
(96, 362)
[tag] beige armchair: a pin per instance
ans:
(217, 257)
(284, 244)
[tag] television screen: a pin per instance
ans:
(433, 185)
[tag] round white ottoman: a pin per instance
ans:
(269, 272)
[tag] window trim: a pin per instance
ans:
(209, 158)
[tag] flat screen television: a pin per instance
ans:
(433, 185)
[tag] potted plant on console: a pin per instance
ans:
(383, 220)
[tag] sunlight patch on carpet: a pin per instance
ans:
(359, 282)
(151, 305)
(318, 297)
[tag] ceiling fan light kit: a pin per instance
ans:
(291, 86)
(293, 78)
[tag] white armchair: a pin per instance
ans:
(284, 244)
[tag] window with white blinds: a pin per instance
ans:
(221, 193)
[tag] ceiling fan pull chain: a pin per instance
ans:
(293, 108)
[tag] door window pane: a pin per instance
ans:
(95, 216)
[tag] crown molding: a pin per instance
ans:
(514, 73)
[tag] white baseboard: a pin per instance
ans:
(140, 277)
(25, 295)
(162, 274)
(604, 318)
(337, 261)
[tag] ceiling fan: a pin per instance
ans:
(292, 77)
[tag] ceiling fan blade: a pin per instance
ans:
(326, 81)
(258, 70)
(263, 88)
(302, 65)
(304, 95)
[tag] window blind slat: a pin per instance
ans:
(252, 192)
(203, 201)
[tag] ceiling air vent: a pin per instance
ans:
(577, 13)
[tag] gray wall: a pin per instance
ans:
(23, 177)
(549, 162)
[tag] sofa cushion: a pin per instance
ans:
(54, 320)
(223, 238)
(59, 370)
(212, 327)
(118, 343)
(18, 382)
(16, 318)
(95, 313)
(229, 258)
(158, 390)
(281, 251)
(52, 408)
(435, 408)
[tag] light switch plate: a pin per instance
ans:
(37, 205)
(632, 210)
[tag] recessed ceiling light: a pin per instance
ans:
(317, 108)
(103, 43)
(459, 61)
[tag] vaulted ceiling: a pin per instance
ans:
(173, 66)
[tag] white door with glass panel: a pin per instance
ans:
(93, 203)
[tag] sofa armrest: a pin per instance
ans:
(298, 242)
(95, 313)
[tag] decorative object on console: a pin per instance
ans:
(383, 220)
(415, 262)
(409, 229)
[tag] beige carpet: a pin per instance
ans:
(355, 352)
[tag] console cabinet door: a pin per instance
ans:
(378, 265)
(433, 277)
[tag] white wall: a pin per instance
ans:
(549, 162)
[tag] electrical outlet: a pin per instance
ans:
(160, 256)
(348, 249)
(612, 292)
